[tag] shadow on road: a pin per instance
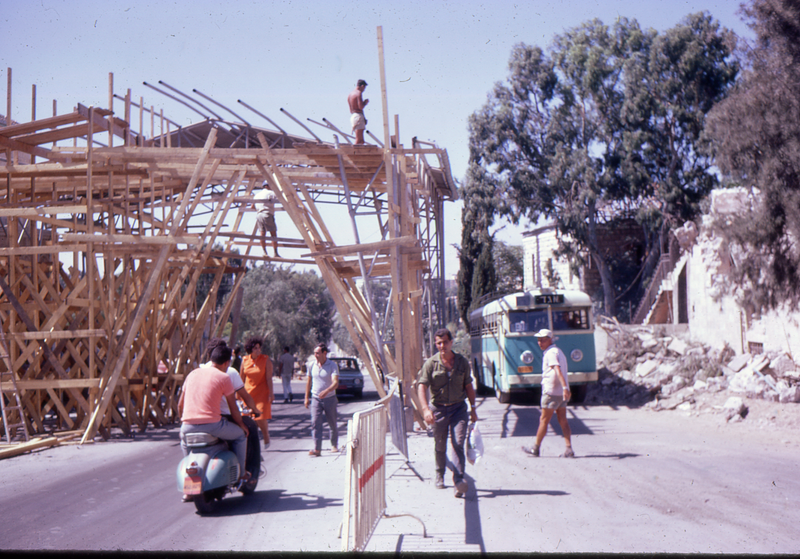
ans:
(269, 501)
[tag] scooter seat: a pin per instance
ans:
(200, 440)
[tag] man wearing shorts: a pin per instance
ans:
(357, 104)
(265, 218)
(555, 392)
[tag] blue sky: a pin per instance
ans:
(442, 58)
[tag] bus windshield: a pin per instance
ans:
(573, 319)
(527, 321)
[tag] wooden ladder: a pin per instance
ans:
(7, 410)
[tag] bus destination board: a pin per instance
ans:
(549, 299)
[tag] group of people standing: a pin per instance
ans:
(208, 401)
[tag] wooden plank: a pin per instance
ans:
(46, 249)
(41, 124)
(34, 444)
(138, 239)
(32, 150)
(33, 213)
(345, 250)
(56, 334)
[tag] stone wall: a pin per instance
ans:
(716, 319)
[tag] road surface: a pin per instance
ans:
(642, 481)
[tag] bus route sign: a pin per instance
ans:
(549, 299)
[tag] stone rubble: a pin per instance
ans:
(645, 367)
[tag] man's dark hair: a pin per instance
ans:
(212, 344)
(360, 83)
(286, 348)
(443, 333)
(251, 343)
(322, 347)
(221, 355)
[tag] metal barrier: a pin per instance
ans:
(365, 483)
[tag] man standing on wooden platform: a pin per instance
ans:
(357, 104)
(265, 218)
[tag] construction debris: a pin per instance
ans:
(646, 366)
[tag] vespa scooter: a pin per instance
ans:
(211, 470)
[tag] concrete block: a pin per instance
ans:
(644, 369)
(734, 407)
(678, 346)
(739, 361)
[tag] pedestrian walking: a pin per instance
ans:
(286, 366)
(321, 383)
(555, 393)
(448, 377)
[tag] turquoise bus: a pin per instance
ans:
(505, 354)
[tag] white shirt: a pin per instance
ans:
(265, 201)
(236, 381)
(550, 384)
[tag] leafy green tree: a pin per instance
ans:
(467, 255)
(484, 279)
(508, 267)
(756, 133)
(205, 281)
(380, 290)
(600, 131)
(286, 308)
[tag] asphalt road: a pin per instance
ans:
(642, 481)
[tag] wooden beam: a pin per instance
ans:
(345, 250)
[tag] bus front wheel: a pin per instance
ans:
(502, 397)
(578, 394)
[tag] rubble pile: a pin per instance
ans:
(644, 366)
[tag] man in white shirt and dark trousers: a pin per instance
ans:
(555, 393)
(264, 201)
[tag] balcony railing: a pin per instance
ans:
(664, 268)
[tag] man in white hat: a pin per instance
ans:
(555, 392)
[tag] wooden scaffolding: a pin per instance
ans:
(105, 232)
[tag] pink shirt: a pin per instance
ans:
(203, 389)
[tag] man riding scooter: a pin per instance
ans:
(253, 448)
(199, 406)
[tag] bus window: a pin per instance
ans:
(574, 319)
(527, 321)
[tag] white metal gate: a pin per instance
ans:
(365, 483)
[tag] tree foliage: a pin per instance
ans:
(286, 308)
(508, 267)
(467, 256)
(484, 279)
(380, 289)
(757, 144)
(603, 129)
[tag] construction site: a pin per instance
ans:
(110, 216)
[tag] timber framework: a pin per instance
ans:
(109, 218)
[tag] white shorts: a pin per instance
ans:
(357, 121)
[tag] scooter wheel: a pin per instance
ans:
(249, 487)
(203, 502)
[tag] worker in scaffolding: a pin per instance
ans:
(357, 103)
(264, 202)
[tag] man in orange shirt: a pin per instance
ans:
(199, 405)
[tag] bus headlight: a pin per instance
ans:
(527, 357)
(576, 355)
